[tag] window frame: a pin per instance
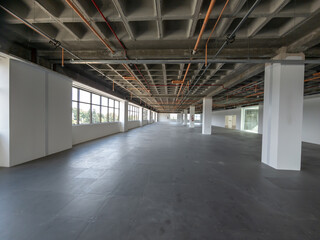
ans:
(100, 106)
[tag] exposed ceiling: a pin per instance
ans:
(166, 30)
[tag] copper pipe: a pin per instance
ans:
(62, 57)
(311, 79)
(204, 24)
(214, 27)
(198, 40)
(89, 25)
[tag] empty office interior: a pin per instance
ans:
(160, 119)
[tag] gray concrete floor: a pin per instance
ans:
(161, 182)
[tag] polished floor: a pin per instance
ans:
(162, 181)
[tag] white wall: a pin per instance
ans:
(145, 122)
(27, 112)
(4, 116)
(87, 132)
(310, 123)
(311, 120)
(165, 117)
(59, 113)
(218, 117)
(39, 112)
(133, 124)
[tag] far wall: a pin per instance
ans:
(310, 124)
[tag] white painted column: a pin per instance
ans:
(141, 116)
(124, 116)
(206, 115)
(185, 120)
(282, 115)
(179, 118)
(192, 111)
(148, 116)
(182, 118)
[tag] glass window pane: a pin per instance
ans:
(95, 99)
(74, 113)
(251, 121)
(74, 94)
(111, 102)
(116, 115)
(104, 114)
(84, 113)
(104, 101)
(84, 96)
(95, 114)
(116, 104)
(111, 115)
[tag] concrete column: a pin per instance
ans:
(206, 115)
(192, 111)
(185, 120)
(282, 114)
(124, 116)
(182, 118)
(179, 118)
(141, 116)
(148, 116)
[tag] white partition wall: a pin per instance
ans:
(282, 115)
(5, 110)
(40, 112)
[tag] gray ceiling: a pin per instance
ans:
(168, 29)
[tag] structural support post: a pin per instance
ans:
(179, 118)
(141, 116)
(149, 116)
(185, 120)
(206, 115)
(192, 111)
(282, 114)
(124, 116)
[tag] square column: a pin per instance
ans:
(282, 114)
(206, 116)
(141, 116)
(150, 116)
(124, 116)
(185, 120)
(192, 111)
(179, 118)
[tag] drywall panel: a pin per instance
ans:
(4, 116)
(27, 112)
(83, 133)
(59, 122)
(218, 117)
(311, 120)
(133, 124)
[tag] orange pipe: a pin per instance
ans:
(204, 24)
(198, 40)
(62, 57)
(89, 25)
(214, 27)
(311, 79)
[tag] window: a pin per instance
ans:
(197, 117)
(90, 108)
(133, 113)
(145, 114)
(250, 119)
(173, 116)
